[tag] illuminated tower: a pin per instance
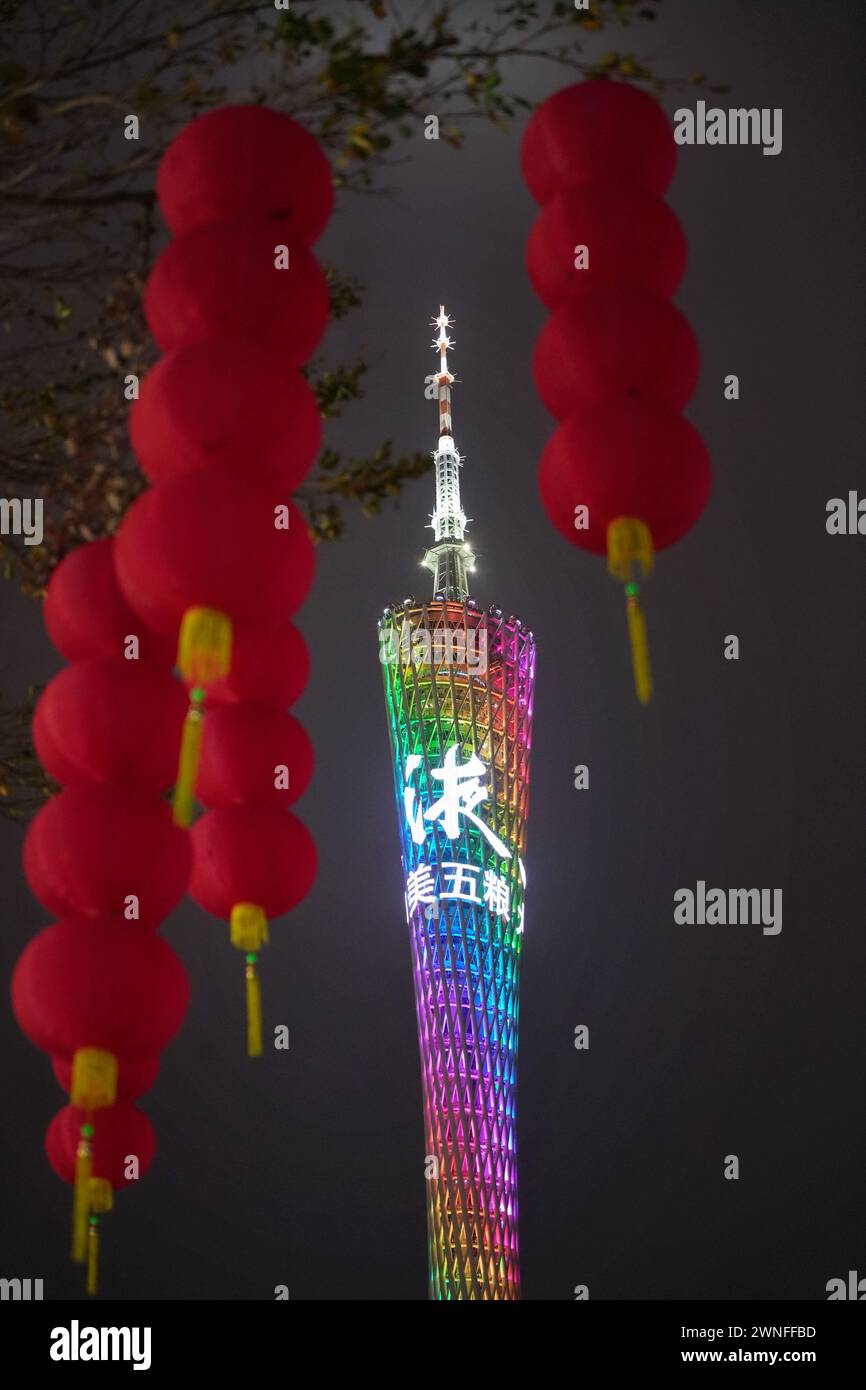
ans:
(459, 686)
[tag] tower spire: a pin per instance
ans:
(449, 558)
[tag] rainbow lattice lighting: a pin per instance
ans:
(459, 687)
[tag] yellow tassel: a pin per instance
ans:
(629, 544)
(100, 1195)
(94, 1079)
(630, 549)
(101, 1199)
(254, 1010)
(204, 655)
(81, 1194)
(249, 932)
(249, 927)
(93, 1255)
(643, 681)
(187, 768)
(204, 649)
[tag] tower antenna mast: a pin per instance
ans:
(450, 558)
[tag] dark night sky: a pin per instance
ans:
(306, 1169)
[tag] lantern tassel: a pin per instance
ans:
(204, 655)
(94, 1079)
(643, 681)
(204, 646)
(187, 768)
(100, 1199)
(249, 932)
(81, 1194)
(630, 548)
(254, 1009)
(93, 1255)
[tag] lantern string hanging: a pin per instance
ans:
(104, 857)
(623, 474)
(225, 426)
(204, 572)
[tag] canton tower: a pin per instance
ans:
(459, 688)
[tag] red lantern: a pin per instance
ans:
(270, 666)
(86, 614)
(246, 279)
(250, 864)
(99, 984)
(624, 459)
(615, 344)
(216, 402)
(106, 851)
(627, 479)
(631, 238)
(253, 754)
(245, 160)
(251, 854)
(120, 1134)
(110, 720)
(215, 543)
(133, 1078)
(598, 131)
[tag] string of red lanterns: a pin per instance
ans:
(246, 191)
(623, 473)
(203, 574)
(97, 991)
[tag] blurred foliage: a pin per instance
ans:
(368, 482)
(79, 226)
(24, 785)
